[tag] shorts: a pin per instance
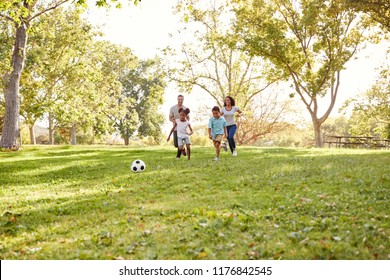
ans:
(218, 137)
(181, 141)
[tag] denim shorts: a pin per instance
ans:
(181, 141)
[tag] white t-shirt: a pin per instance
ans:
(182, 128)
(174, 111)
(229, 115)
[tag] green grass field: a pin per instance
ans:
(268, 203)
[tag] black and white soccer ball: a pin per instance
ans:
(138, 166)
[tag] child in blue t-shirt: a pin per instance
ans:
(217, 129)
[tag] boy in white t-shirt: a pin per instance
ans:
(182, 126)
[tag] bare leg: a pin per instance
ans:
(188, 151)
(217, 146)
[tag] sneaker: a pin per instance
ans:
(177, 158)
(234, 153)
(184, 152)
(216, 159)
(224, 146)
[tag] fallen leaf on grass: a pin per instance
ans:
(36, 249)
(304, 241)
(336, 238)
(295, 235)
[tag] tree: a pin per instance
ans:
(309, 41)
(52, 60)
(5, 53)
(265, 115)
(2, 112)
(22, 14)
(89, 95)
(113, 62)
(215, 62)
(371, 111)
(143, 88)
(336, 126)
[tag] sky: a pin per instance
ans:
(145, 29)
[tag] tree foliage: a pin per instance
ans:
(142, 94)
(54, 58)
(371, 111)
(309, 41)
(378, 10)
(22, 14)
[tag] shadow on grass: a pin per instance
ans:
(50, 165)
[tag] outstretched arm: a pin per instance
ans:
(191, 131)
(172, 130)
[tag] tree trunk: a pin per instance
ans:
(93, 135)
(319, 143)
(11, 91)
(32, 135)
(51, 129)
(73, 135)
(126, 141)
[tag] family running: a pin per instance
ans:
(221, 124)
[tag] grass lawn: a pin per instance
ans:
(267, 203)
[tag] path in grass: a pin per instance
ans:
(268, 203)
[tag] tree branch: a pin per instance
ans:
(56, 5)
(333, 95)
(8, 18)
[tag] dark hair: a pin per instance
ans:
(215, 108)
(232, 102)
(186, 111)
(180, 96)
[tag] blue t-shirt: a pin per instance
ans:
(217, 126)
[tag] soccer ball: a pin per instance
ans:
(138, 166)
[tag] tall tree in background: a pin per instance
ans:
(143, 89)
(113, 62)
(22, 15)
(89, 95)
(371, 111)
(309, 41)
(214, 61)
